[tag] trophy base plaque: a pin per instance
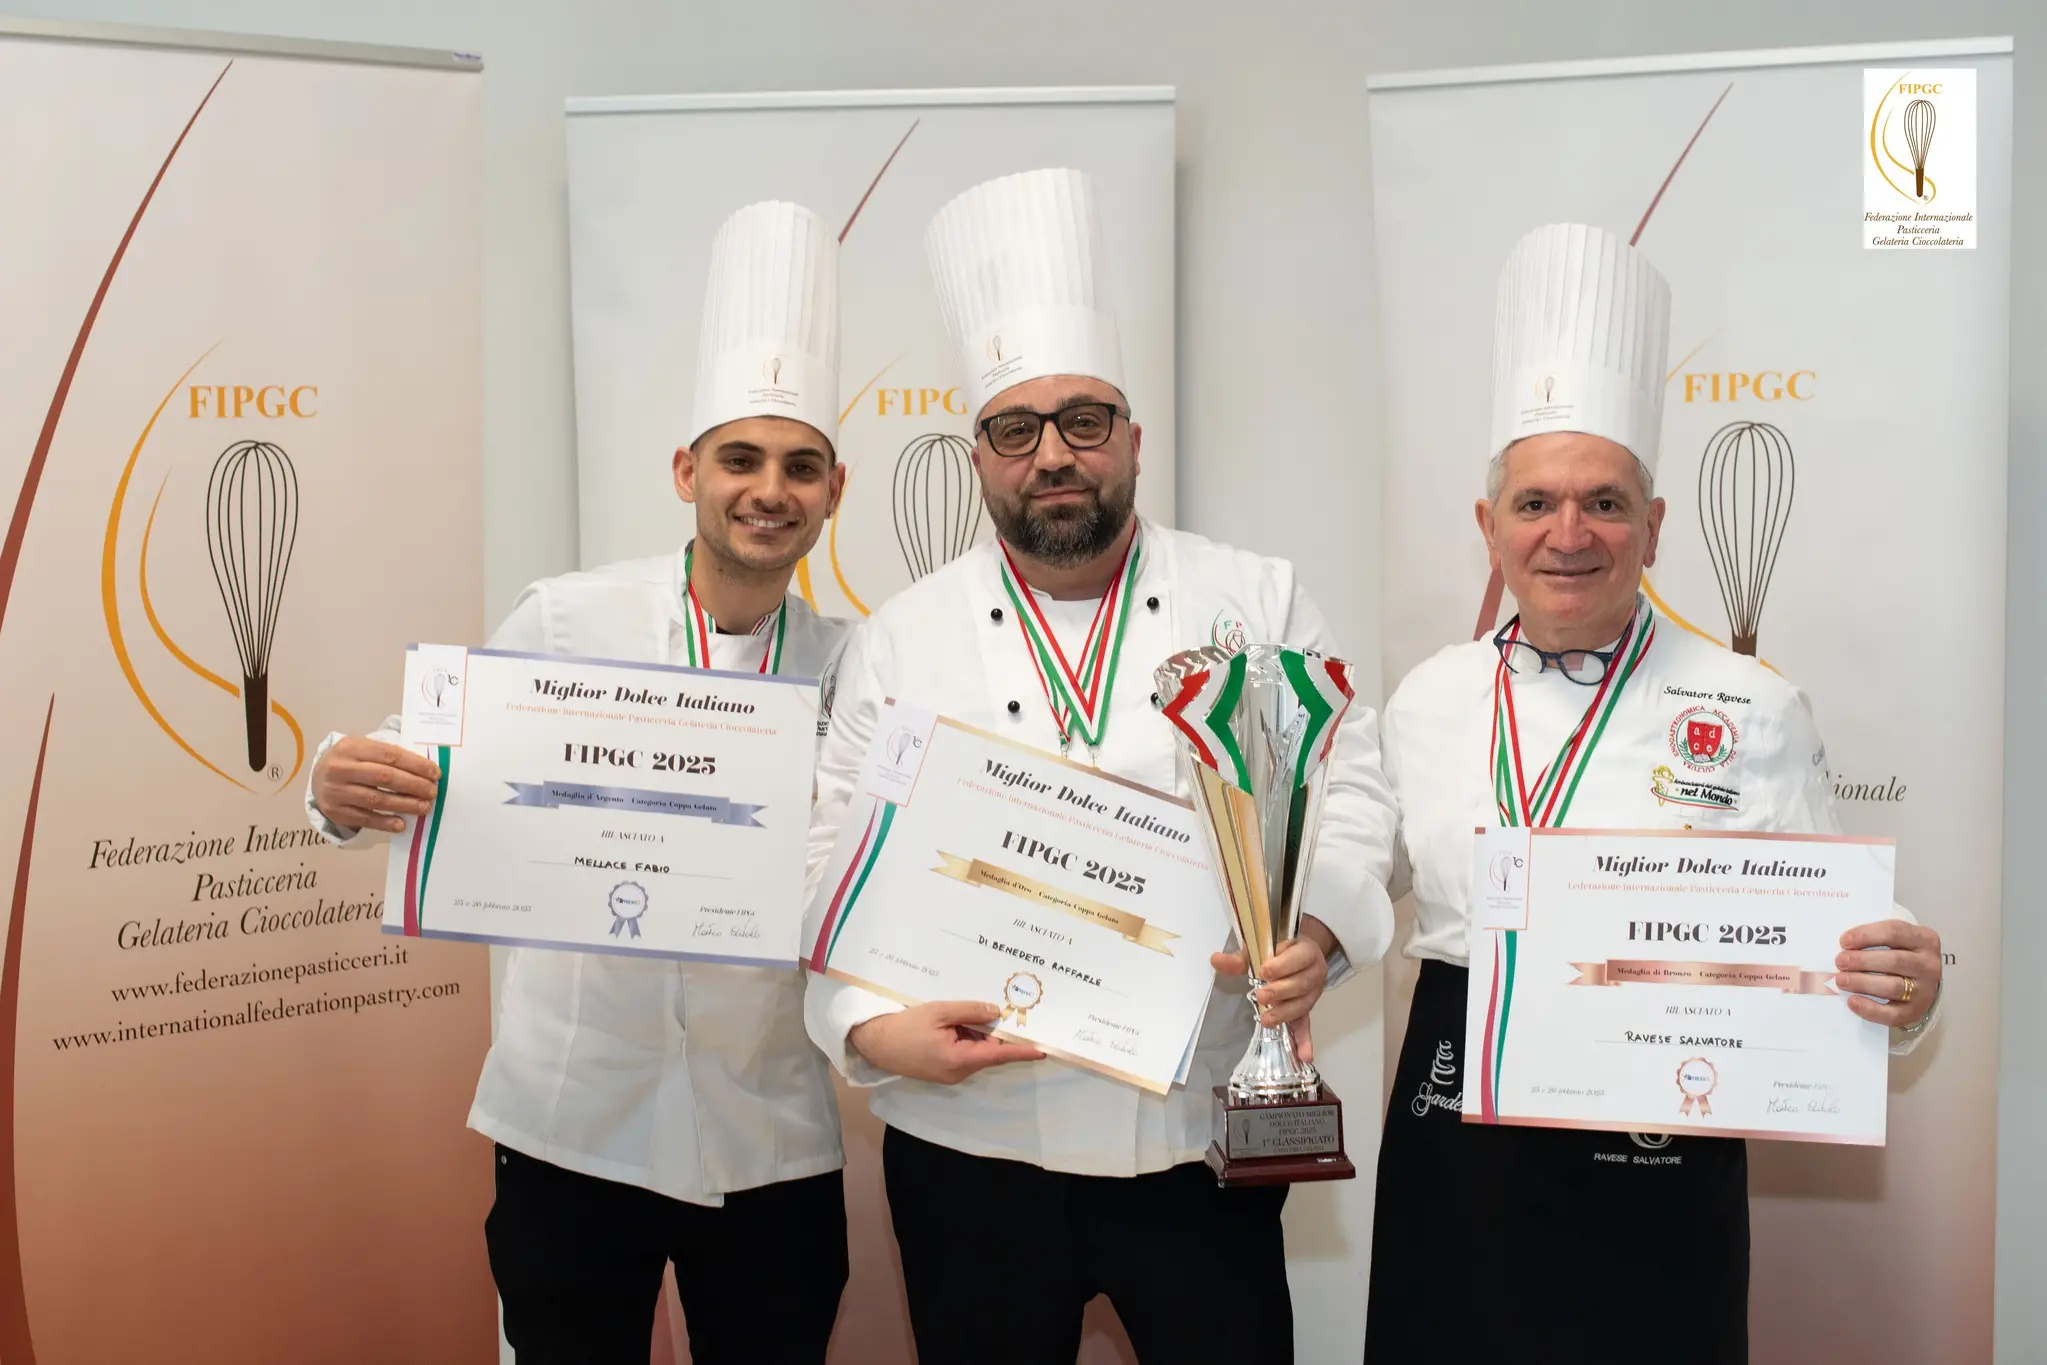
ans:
(1278, 1142)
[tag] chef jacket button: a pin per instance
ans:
(1014, 708)
(1152, 602)
(1154, 699)
(995, 615)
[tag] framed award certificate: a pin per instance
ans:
(606, 807)
(1673, 982)
(974, 868)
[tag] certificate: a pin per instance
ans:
(606, 807)
(974, 868)
(1673, 982)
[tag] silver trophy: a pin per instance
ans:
(1255, 728)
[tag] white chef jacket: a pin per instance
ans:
(692, 1080)
(1773, 774)
(938, 646)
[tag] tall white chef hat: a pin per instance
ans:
(1580, 341)
(770, 343)
(1017, 263)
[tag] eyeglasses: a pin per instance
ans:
(1083, 426)
(1587, 667)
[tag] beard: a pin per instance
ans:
(1068, 533)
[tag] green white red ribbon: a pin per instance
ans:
(1545, 803)
(1077, 697)
(700, 626)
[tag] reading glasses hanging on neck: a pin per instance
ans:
(1587, 667)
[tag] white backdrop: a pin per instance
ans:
(1884, 374)
(651, 180)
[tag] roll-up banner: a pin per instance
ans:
(1836, 228)
(650, 180)
(240, 443)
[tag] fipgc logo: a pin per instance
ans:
(1918, 153)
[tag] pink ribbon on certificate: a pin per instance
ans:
(1697, 1078)
(1766, 976)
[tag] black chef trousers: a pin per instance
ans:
(578, 1264)
(1001, 1257)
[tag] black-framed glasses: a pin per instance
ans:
(1587, 667)
(1083, 426)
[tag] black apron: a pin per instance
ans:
(1545, 1244)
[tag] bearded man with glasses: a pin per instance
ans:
(1021, 1187)
(1586, 709)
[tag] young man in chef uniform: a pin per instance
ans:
(649, 1111)
(1021, 1187)
(1586, 1246)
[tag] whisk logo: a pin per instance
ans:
(937, 502)
(1747, 477)
(902, 743)
(247, 522)
(895, 764)
(441, 689)
(995, 348)
(771, 370)
(252, 522)
(1919, 158)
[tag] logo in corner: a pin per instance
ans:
(1918, 152)
(440, 689)
(902, 743)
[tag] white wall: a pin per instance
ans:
(1279, 437)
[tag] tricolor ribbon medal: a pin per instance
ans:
(1542, 803)
(700, 627)
(1078, 697)
(1546, 800)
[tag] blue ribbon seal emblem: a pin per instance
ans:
(628, 901)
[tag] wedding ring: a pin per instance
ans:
(1911, 987)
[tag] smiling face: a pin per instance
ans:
(1058, 505)
(1571, 531)
(762, 487)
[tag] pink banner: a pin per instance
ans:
(1765, 975)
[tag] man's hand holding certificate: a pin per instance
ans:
(629, 808)
(973, 868)
(1673, 982)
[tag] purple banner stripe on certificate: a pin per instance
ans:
(717, 809)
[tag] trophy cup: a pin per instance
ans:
(1256, 727)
